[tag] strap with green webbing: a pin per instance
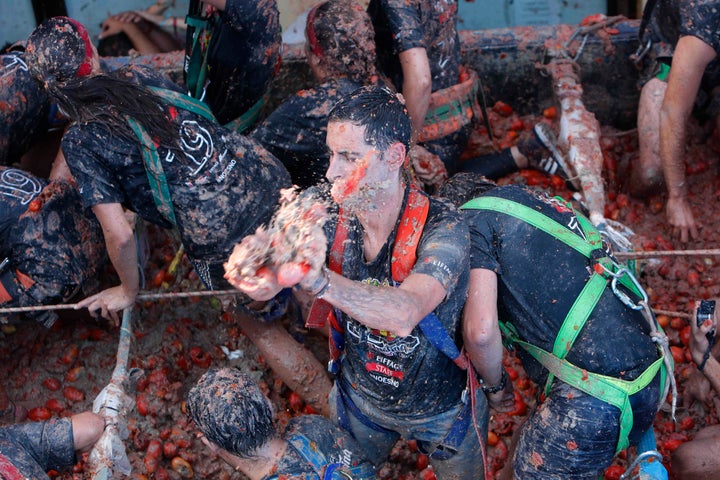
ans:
(579, 312)
(151, 159)
(196, 56)
(154, 171)
(585, 246)
(185, 102)
(613, 391)
(244, 121)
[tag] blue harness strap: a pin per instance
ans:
(324, 470)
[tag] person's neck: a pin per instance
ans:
(263, 463)
(379, 220)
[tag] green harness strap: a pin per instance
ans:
(153, 165)
(197, 63)
(611, 390)
(154, 171)
(185, 102)
(244, 121)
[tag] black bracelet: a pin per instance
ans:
(500, 386)
(701, 367)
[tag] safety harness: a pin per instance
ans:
(403, 259)
(199, 33)
(324, 470)
(450, 109)
(153, 164)
(613, 391)
(8, 471)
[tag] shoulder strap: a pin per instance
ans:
(404, 256)
(185, 102)
(199, 30)
(154, 171)
(538, 220)
(327, 471)
(8, 471)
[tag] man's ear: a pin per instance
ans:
(395, 154)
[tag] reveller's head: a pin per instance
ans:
(340, 38)
(58, 50)
(229, 408)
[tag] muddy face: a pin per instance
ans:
(357, 170)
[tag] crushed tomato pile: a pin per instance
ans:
(58, 372)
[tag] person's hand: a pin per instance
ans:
(428, 167)
(699, 341)
(504, 400)
(697, 387)
(111, 26)
(108, 302)
(681, 218)
(248, 269)
(298, 239)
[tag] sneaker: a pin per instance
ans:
(555, 163)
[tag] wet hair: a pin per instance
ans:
(229, 408)
(59, 54)
(463, 187)
(380, 111)
(118, 45)
(341, 33)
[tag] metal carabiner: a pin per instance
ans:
(641, 51)
(643, 456)
(621, 295)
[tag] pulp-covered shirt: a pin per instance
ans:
(430, 24)
(48, 237)
(33, 448)
(539, 278)
(408, 375)
(326, 440)
(223, 185)
(24, 108)
(295, 132)
(243, 55)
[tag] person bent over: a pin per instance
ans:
(542, 276)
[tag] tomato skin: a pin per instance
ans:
(422, 461)
(200, 357)
(73, 394)
(295, 401)
(613, 472)
(502, 108)
(35, 205)
(677, 354)
(550, 113)
(52, 384)
(39, 414)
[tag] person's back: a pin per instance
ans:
(340, 50)
(539, 278)
(401, 25)
(541, 275)
(24, 108)
(216, 172)
(44, 220)
(242, 56)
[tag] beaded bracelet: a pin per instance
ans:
(496, 388)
